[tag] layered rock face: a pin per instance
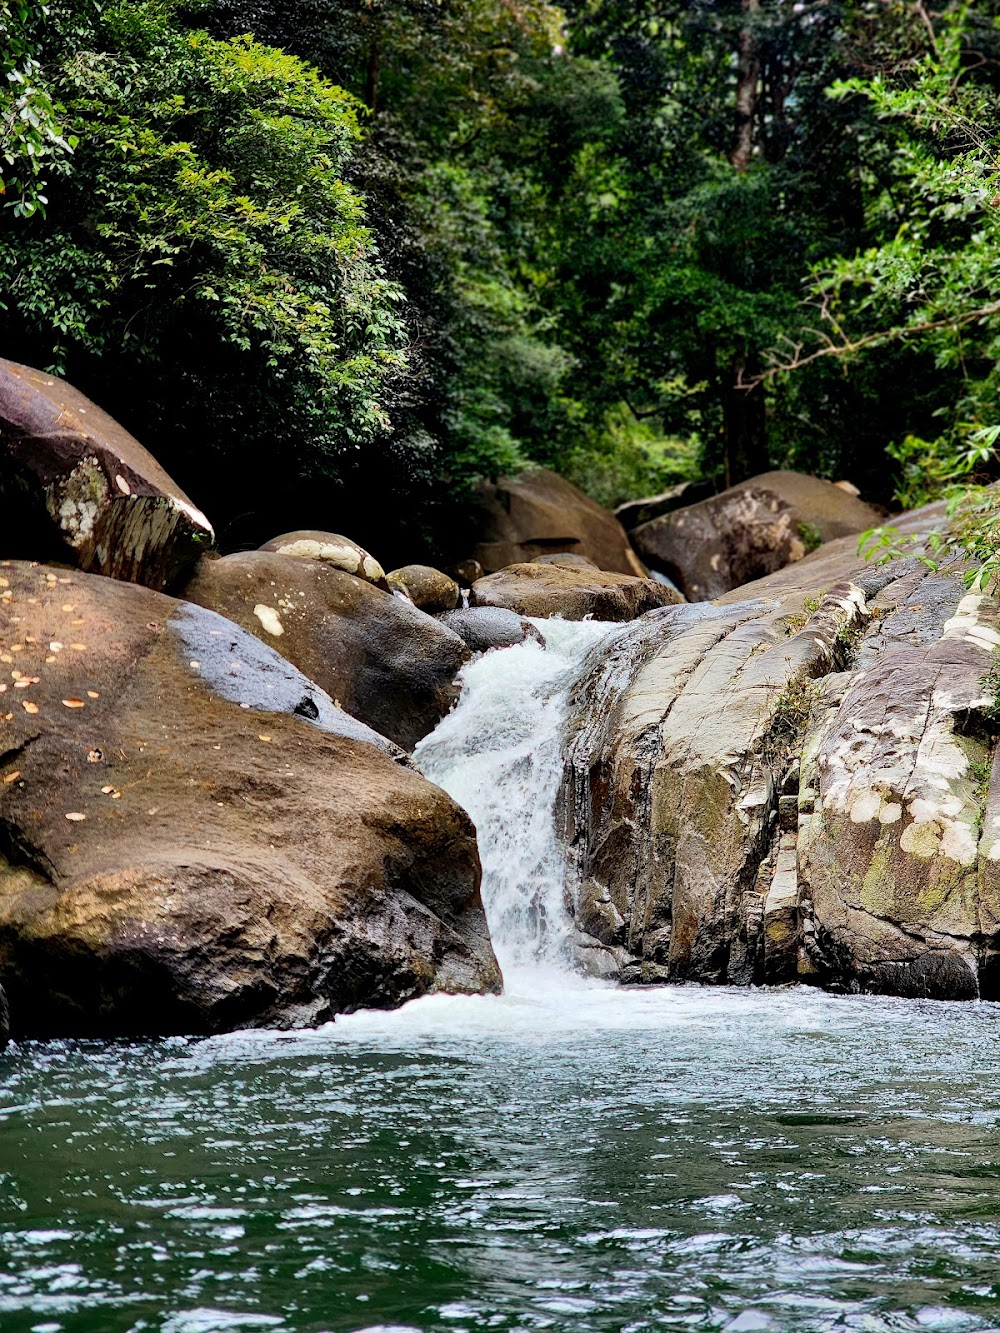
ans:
(797, 784)
(748, 532)
(540, 513)
(385, 662)
(194, 837)
(75, 485)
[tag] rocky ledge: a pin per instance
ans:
(798, 783)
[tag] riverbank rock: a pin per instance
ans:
(571, 592)
(749, 531)
(540, 513)
(195, 838)
(799, 784)
(331, 549)
(483, 628)
(426, 587)
(385, 662)
(75, 486)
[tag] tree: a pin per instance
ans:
(205, 270)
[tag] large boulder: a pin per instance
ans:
(196, 838)
(384, 661)
(540, 513)
(749, 531)
(332, 549)
(796, 784)
(569, 591)
(426, 587)
(76, 486)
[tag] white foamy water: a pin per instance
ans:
(499, 754)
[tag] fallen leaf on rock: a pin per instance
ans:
(75, 816)
(267, 739)
(92, 694)
(74, 703)
(28, 706)
(79, 647)
(55, 646)
(11, 777)
(95, 756)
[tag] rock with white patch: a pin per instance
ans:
(897, 879)
(196, 838)
(331, 549)
(387, 663)
(76, 487)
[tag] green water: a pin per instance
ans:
(569, 1157)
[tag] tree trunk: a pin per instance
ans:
(744, 424)
(747, 80)
(744, 409)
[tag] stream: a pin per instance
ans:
(569, 1156)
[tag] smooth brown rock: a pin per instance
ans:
(749, 531)
(76, 486)
(426, 587)
(570, 592)
(566, 561)
(540, 513)
(385, 662)
(195, 838)
(331, 549)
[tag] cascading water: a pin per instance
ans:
(499, 754)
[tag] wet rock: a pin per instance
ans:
(540, 513)
(76, 487)
(570, 592)
(800, 784)
(4, 1021)
(331, 549)
(749, 531)
(426, 587)
(385, 662)
(485, 627)
(196, 838)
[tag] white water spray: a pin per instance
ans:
(499, 755)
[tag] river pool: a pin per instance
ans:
(570, 1156)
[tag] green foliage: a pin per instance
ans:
(205, 269)
(31, 142)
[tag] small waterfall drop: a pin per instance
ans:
(499, 754)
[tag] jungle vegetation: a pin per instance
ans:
(335, 260)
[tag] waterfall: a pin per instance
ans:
(499, 754)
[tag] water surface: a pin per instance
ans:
(566, 1157)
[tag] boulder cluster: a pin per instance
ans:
(208, 815)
